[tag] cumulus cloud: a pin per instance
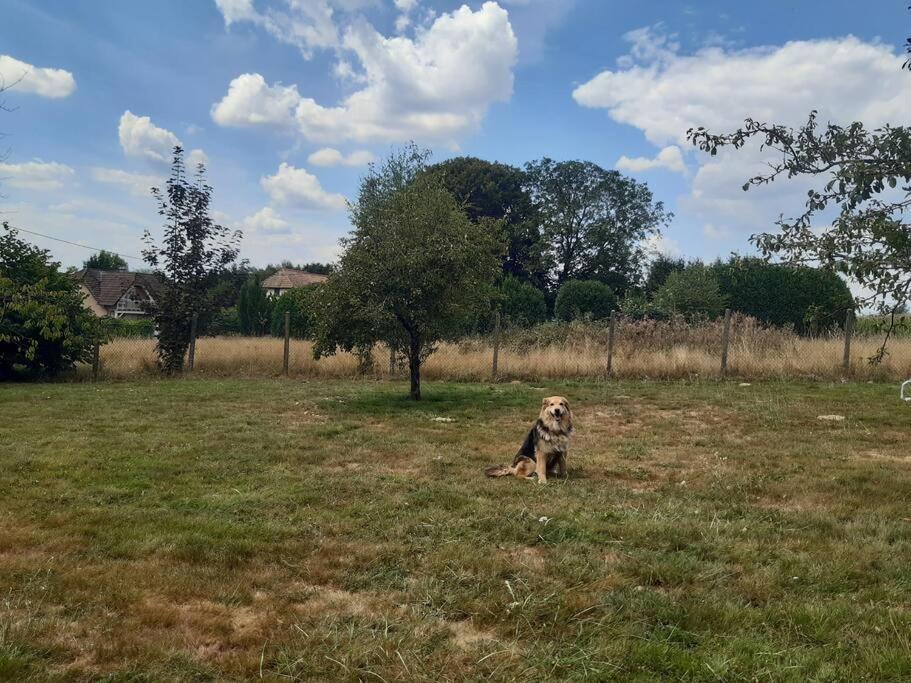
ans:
(138, 184)
(299, 188)
(267, 221)
(670, 158)
(142, 139)
(437, 86)
(36, 175)
(663, 92)
(328, 156)
(307, 24)
(45, 82)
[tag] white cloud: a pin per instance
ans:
(437, 86)
(196, 157)
(251, 102)
(405, 5)
(327, 156)
(306, 24)
(663, 92)
(139, 184)
(665, 246)
(36, 175)
(670, 158)
(142, 139)
(297, 187)
(266, 220)
(23, 77)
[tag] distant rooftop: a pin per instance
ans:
(289, 278)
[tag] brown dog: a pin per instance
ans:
(545, 447)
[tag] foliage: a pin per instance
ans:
(193, 251)
(635, 305)
(693, 293)
(806, 299)
(521, 304)
(867, 180)
(254, 308)
(594, 221)
(123, 327)
(584, 299)
(301, 303)
(105, 260)
(495, 195)
(659, 269)
(879, 324)
(224, 321)
(43, 324)
(414, 269)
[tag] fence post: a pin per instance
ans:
(610, 342)
(496, 343)
(191, 356)
(391, 361)
(96, 361)
(725, 341)
(287, 354)
(849, 332)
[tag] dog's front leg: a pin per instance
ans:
(561, 465)
(541, 467)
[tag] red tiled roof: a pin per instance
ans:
(289, 278)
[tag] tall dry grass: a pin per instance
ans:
(643, 349)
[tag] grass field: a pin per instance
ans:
(230, 529)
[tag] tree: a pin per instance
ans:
(302, 304)
(254, 308)
(43, 324)
(693, 293)
(414, 268)
(105, 260)
(193, 251)
(584, 299)
(495, 195)
(659, 270)
(521, 304)
(866, 178)
(594, 221)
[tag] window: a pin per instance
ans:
(130, 303)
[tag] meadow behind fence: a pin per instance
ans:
(639, 349)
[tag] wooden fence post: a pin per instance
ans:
(287, 355)
(610, 342)
(191, 356)
(849, 332)
(96, 361)
(725, 341)
(496, 344)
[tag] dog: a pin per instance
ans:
(545, 448)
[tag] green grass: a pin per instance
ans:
(211, 530)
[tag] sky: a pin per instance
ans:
(287, 101)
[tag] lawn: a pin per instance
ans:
(230, 529)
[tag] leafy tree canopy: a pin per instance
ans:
(659, 269)
(105, 260)
(693, 293)
(594, 221)
(522, 304)
(584, 299)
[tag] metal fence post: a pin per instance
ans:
(96, 361)
(725, 341)
(610, 341)
(287, 343)
(191, 356)
(849, 332)
(496, 343)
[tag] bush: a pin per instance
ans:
(522, 304)
(44, 326)
(301, 302)
(254, 308)
(225, 321)
(693, 293)
(584, 299)
(121, 327)
(810, 300)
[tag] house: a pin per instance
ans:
(289, 278)
(118, 294)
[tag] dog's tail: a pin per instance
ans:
(500, 471)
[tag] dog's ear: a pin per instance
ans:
(545, 401)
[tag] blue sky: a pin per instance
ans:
(288, 99)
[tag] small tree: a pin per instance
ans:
(43, 324)
(254, 308)
(105, 260)
(693, 293)
(413, 270)
(193, 251)
(521, 304)
(301, 303)
(585, 299)
(659, 270)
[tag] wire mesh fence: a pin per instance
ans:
(626, 349)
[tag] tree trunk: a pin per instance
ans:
(414, 365)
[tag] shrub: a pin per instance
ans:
(44, 326)
(522, 304)
(254, 308)
(693, 293)
(225, 321)
(301, 302)
(584, 299)
(809, 300)
(120, 327)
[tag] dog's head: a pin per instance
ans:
(555, 413)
